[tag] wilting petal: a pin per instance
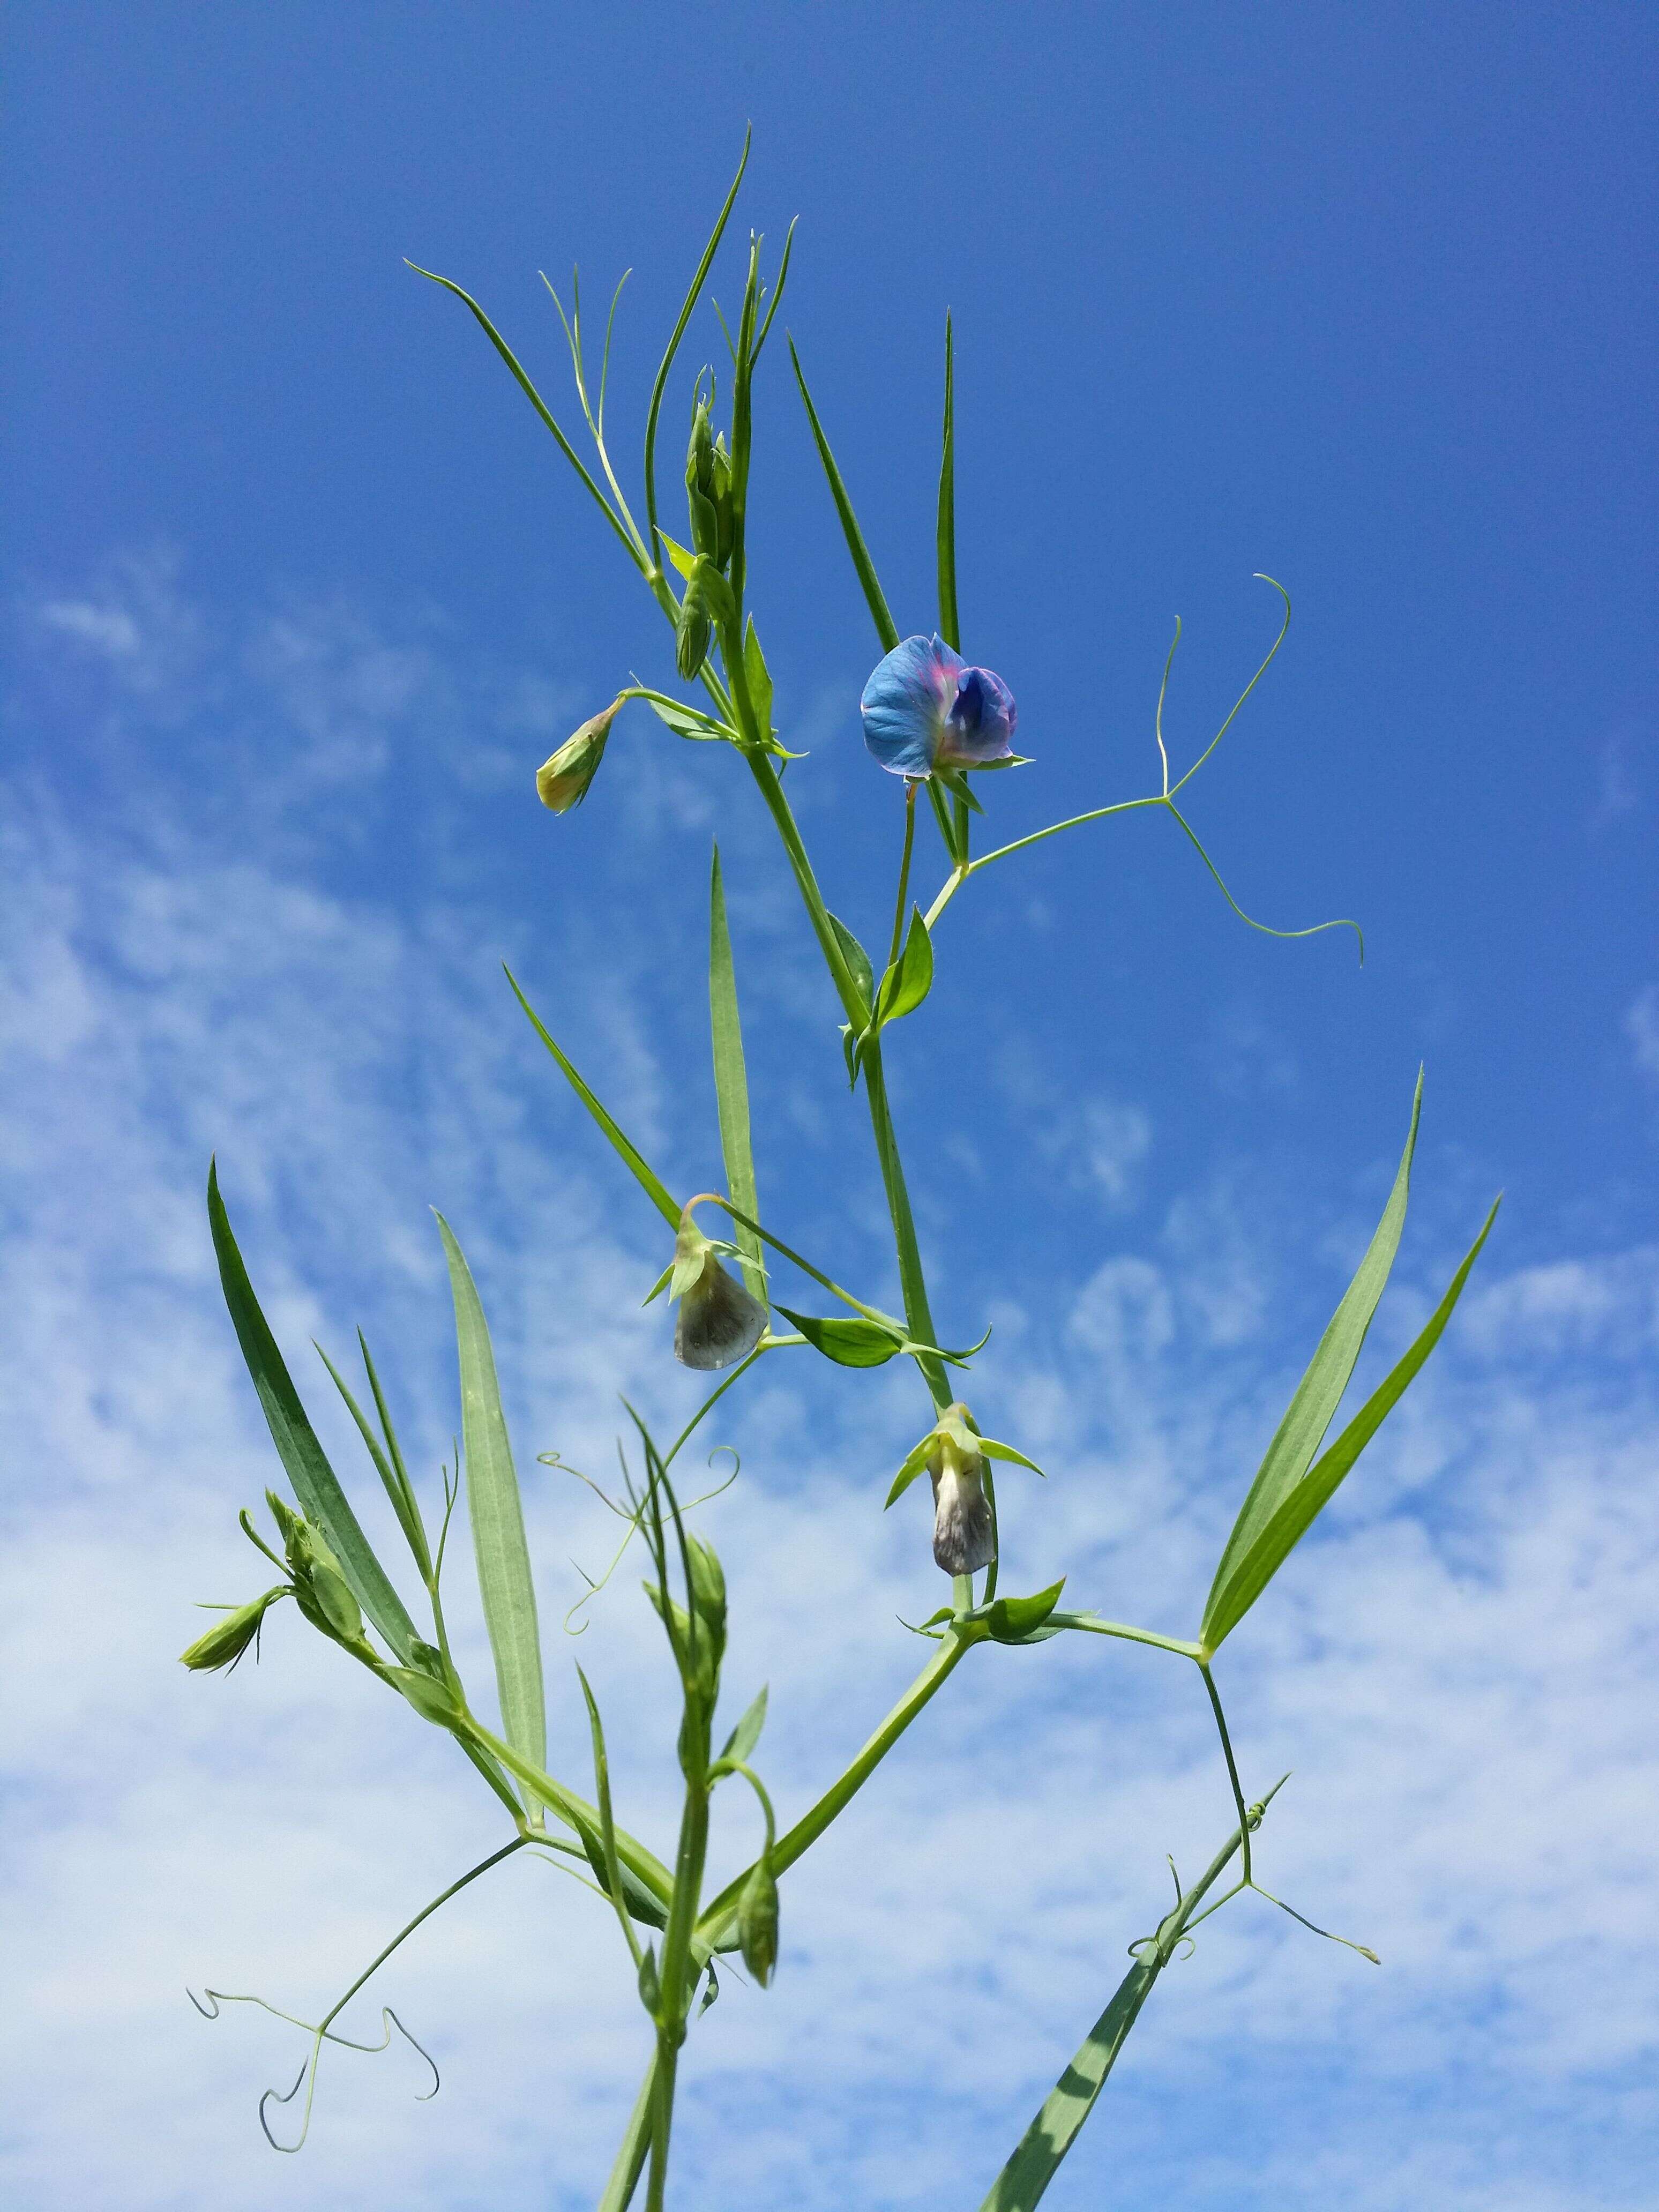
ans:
(979, 725)
(905, 703)
(964, 1538)
(719, 1323)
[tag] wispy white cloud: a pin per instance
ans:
(1458, 1669)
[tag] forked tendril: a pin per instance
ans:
(322, 2032)
(306, 2076)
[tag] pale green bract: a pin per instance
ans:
(673, 1939)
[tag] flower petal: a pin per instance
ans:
(905, 702)
(979, 725)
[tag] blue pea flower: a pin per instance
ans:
(924, 708)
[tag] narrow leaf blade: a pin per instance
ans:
(731, 1083)
(1253, 1569)
(402, 1504)
(315, 1484)
(1320, 1391)
(648, 1181)
(950, 625)
(886, 628)
(497, 1519)
(1036, 2157)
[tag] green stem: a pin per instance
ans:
(778, 807)
(918, 1314)
(1232, 1769)
(425, 1913)
(575, 1811)
(662, 2120)
(1093, 1626)
(689, 1863)
(717, 1916)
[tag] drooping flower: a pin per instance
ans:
(953, 1454)
(924, 707)
(562, 782)
(964, 1534)
(719, 1322)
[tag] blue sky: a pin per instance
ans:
(298, 594)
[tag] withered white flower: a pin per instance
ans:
(953, 1454)
(719, 1322)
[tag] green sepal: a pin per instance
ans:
(955, 781)
(684, 561)
(741, 1742)
(759, 678)
(858, 961)
(993, 1449)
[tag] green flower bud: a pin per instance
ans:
(707, 1595)
(719, 1322)
(224, 1643)
(692, 633)
(757, 1923)
(720, 497)
(700, 452)
(561, 782)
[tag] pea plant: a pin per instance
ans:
(936, 723)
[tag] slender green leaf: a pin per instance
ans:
(849, 1340)
(857, 959)
(759, 678)
(950, 625)
(910, 978)
(731, 1083)
(649, 1183)
(1253, 1569)
(690, 301)
(1038, 2153)
(536, 401)
(315, 1485)
(398, 1466)
(741, 1742)
(1069, 2103)
(403, 1503)
(886, 628)
(1320, 1391)
(497, 1518)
